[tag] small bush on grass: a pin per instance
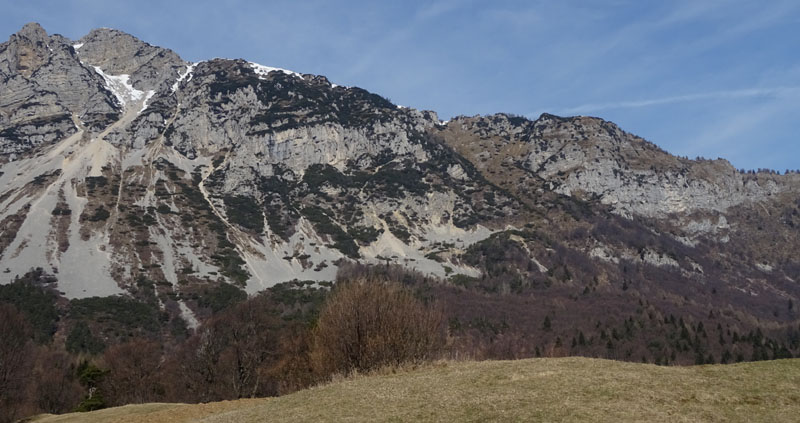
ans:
(369, 323)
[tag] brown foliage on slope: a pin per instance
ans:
(371, 323)
(15, 361)
(135, 376)
(224, 359)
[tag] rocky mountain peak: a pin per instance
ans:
(46, 93)
(31, 31)
(31, 34)
(119, 53)
(29, 49)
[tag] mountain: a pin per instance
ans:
(125, 170)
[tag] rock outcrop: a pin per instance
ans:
(44, 89)
(592, 158)
(149, 68)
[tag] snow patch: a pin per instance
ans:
(188, 73)
(147, 98)
(77, 46)
(263, 71)
(188, 316)
(121, 88)
(764, 267)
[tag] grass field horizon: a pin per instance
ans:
(546, 389)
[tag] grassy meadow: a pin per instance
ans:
(552, 389)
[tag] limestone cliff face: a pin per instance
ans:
(287, 118)
(221, 171)
(118, 53)
(45, 90)
(591, 158)
(128, 170)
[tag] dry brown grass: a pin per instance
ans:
(567, 389)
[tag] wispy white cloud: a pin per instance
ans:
(402, 33)
(778, 12)
(714, 95)
(733, 133)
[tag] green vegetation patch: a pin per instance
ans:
(221, 297)
(365, 234)
(93, 182)
(245, 212)
(231, 265)
(100, 214)
(342, 240)
(298, 300)
(126, 312)
(81, 340)
(37, 303)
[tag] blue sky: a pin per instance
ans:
(712, 78)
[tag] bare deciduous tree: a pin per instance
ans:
(369, 323)
(57, 388)
(16, 360)
(225, 359)
(133, 373)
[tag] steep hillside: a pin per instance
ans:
(574, 389)
(127, 171)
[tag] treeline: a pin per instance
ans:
(768, 171)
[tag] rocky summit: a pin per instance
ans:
(127, 170)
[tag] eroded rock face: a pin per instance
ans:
(592, 158)
(43, 86)
(118, 53)
(27, 50)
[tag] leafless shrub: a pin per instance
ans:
(227, 356)
(369, 323)
(56, 389)
(134, 373)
